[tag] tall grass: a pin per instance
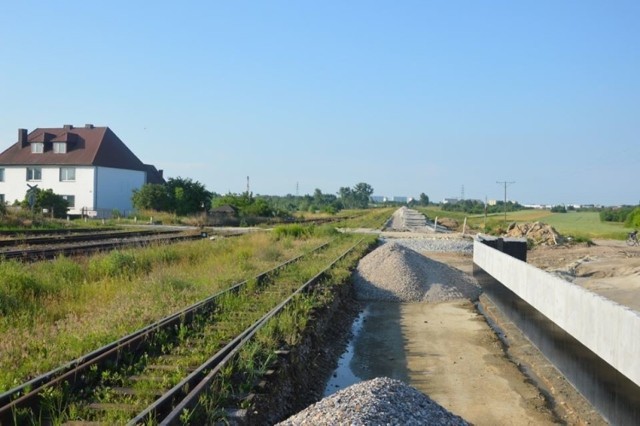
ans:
(52, 312)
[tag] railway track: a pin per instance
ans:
(40, 248)
(159, 374)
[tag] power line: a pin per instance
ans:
(505, 183)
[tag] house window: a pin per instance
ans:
(67, 174)
(37, 147)
(1, 174)
(59, 147)
(71, 200)
(34, 173)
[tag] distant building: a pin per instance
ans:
(378, 199)
(88, 166)
(537, 206)
(399, 199)
(450, 200)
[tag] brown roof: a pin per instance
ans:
(86, 146)
(154, 175)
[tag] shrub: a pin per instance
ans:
(293, 231)
(633, 219)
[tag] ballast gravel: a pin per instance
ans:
(453, 244)
(394, 272)
(380, 401)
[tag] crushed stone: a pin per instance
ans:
(380, 401)
(395, 272)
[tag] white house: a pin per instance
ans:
(89, 166)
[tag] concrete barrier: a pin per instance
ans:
(610, 330)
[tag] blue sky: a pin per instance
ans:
(408, 96)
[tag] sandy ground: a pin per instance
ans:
(609, 268)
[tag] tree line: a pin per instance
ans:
(184, 197)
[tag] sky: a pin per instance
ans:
(446, 98)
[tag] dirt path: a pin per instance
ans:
(448, 351)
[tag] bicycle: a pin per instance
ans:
(632, 239)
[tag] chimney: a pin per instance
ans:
(88, 126)
(67, 126)
(160, 173)
(22, 138)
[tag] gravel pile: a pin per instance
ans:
(381, 401)
(394, 272)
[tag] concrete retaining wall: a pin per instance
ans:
(610, 330)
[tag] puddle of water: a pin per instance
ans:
(343, 376)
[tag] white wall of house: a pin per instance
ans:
(14, 187)
(114, 188)
(94, 189)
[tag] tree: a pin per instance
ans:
(362, 193)
(178, 195)
(151, 197)
(356, 198)
(558, 209)
(47, 199)
(187, 196)
(633, 219)
(424, 199)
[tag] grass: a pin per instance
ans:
(76, 307)
(56, 311)
(370, 218)
(581, 225)
(586, 225)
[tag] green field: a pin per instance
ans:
(586, 224)
(577, 224)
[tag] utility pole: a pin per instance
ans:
(248, 186)
(505, 183)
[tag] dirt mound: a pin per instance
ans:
(448, 223)
(539, 233)
(394, 272)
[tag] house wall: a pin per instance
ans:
(15, 183)
(114, 188)
(96, 189)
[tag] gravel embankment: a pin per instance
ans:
(394, 272)
(381, 401)
(435, 244)
(406, 219)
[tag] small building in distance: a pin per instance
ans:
(89, 166)
(378, 199)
